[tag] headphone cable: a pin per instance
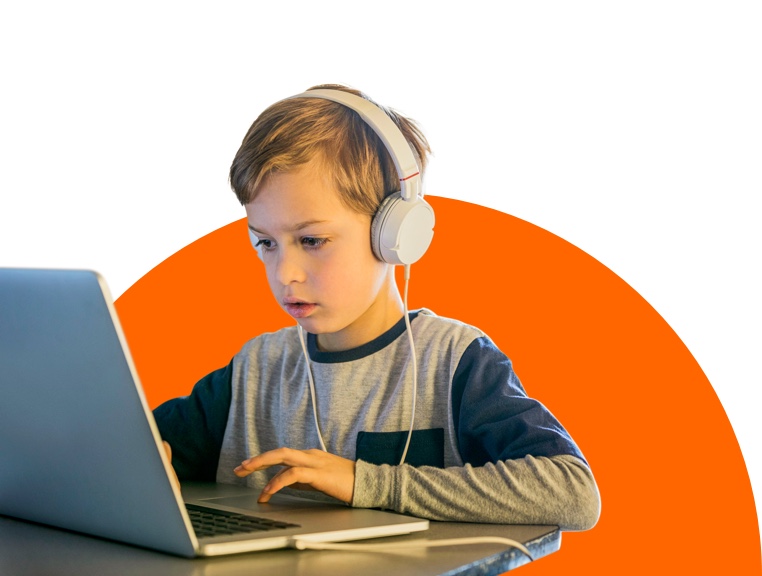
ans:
(312, 386)
(415, 373)
(415, 363)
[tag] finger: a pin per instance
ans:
(278, 457)
(287, 477)
(168, 451)
(295, 485)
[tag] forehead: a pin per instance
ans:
(304, 194)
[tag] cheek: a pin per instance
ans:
(345, 276)
(269, 272)
(364, 278)
(273, 280)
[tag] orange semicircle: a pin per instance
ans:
(675, 491)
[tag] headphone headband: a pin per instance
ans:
(399, 149)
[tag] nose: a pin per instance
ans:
(288, 267)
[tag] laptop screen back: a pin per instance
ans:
(75, 447)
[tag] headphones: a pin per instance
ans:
(403, 225)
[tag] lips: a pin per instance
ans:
(298, 308)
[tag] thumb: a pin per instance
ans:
(167, 449)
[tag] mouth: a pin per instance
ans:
(298, 308)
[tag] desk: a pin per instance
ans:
(33, 550)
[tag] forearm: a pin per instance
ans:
(194, 426)
(559, 490)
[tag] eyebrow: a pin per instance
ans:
(299, 226)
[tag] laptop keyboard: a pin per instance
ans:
(212, 522)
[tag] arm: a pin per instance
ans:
(558, 491)
(522, 466)
(194, 425)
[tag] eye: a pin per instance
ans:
(265, 244)
(312, 243)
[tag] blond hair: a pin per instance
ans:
(295, 131)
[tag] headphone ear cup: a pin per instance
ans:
(402, 231)
(375, 225)
(254, 243)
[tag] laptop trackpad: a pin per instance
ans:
(278, 503)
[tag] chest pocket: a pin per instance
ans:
(426, 447)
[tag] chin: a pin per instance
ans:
(314, 326)
(320, 326)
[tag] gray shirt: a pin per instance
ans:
(481, 451)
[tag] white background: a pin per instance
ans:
(632, 130)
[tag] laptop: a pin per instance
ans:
(79, 448)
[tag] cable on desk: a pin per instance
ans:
(392, 546)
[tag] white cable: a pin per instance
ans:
(312, 386)
(393, 546)
(415, 364)
(415, 373)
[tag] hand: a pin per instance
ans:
(304, 470)
(168, 450)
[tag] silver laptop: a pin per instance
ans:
(79, 448)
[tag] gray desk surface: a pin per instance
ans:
(31, 549)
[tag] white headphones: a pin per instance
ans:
(403, 225)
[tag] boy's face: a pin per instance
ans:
(319, 262)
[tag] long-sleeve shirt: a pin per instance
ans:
(481, 449)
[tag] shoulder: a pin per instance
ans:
(269, 342)
(428, 317)
(468, 345)
(266, 356)
(428, 326)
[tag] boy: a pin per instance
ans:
(311, 174)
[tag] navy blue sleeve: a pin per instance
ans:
(493, 417)
(195, 425)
